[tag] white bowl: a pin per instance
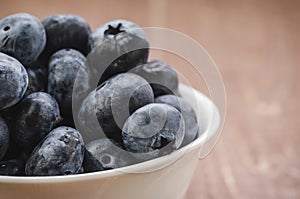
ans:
(161, 178)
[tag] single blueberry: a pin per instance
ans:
(32, 119)
(105, 109)
(65, 31)
(61, 152)
(109, 154)
(153, 130)
(22, 36)
(90, 163)
(118, 46)
(13, 81)
(161, 76)
(66, 66)
(188, 113)
(112, 28)
(4, 138)
(14, 167)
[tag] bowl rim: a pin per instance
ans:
(135, 168)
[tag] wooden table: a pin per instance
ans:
(256, 45)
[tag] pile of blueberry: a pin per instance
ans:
(62, 85)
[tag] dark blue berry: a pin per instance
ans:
(188, 113)
(66, 66)
(153, 130)
(38, 79)
(90, 163)
(118, 46)
(106, 109)
(22, 36)
(161, 76)
(42, 68)
(109, 154)
(32, 119)
(4, 138)
(13, 81)
(13, 167)
(60, 153)
(65, 31)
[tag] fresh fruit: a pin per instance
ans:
(65, 31)
(161, 76)
(61, 86)
(32, 119)
(118, 46)
(105, 109)
(109, 154)
(65, 66)
(90, 163)
(4, 137)
(60, 153)
(22, 36)
(13, 81)
(153, 130)
(38, 79)
(188, 113)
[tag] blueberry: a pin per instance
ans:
(22, 36)
(33, 118)
(4, 138)
(13, 81)
(60, 153)
(65, 66)
(13, 167)
(90, 163)
(153, 130)
(65, 31)
(161, 76)
(119, 45)
(38, 79)
(106, 108)
(109, 154)
(188, 113)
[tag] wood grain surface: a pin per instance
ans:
(256, 45)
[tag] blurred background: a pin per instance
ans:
(256, 46)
